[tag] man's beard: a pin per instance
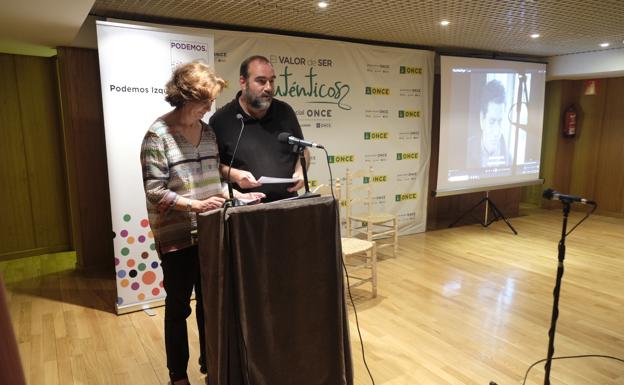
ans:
(257, 102)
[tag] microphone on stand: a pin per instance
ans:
(557, 196)
(285, 137)
(233, 202)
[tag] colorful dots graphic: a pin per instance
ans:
(142, 266)
(144, 255)
(127, 217)
(114, 235)
(119, 300)
(149, 277)
(161, 284)
(121, 273)
(150, 234)
(155, 291)
(130, 263)
(125, 251)
(130, 240)
(123, 233)
(154, 265)
(116, 261)
(144, 223)
(135, 286)
(133, 273)
(141, 296)
(141, 238)
(153, 246)
(124, 283)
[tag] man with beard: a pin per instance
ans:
(259, 152)
(488, 148)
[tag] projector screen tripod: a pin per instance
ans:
(496, 213)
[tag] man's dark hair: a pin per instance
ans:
(244, 67)
(492, 92)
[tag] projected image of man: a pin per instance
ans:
(488, 148)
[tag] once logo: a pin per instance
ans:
(410, 70)
(406, 155)
(377, 91)
(341, 158)
(406, 196)
(376, 135)
(409, 114)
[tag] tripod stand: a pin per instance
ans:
(496, 213)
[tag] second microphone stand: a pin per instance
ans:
(555, 310)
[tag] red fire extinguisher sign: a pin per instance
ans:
(569, 122)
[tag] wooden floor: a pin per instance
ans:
(466, 305)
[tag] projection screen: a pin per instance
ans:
(491, 115)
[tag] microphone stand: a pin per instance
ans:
(307, 194)
(555, 310)
(233, 202)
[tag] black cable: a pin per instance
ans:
(357, 323)
(526, 375)
(228, 244)
(344, 266)
(331, 178)
(585, 217)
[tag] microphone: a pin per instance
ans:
(285, 137)
(555, 195)
(232, 201)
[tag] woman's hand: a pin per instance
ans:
(214, 202)
(252, 196)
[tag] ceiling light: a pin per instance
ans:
(604, 45)
(535, 35)
(444, 23)
(322, 4)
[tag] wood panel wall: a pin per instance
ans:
(35, 217)
(589, 164)
(83, 125)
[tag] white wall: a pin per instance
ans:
(596, 64)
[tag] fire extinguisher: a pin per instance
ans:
(569, 121)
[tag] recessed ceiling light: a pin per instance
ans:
(322, 4)
(535, 35)
(444, 23)
(604, 45)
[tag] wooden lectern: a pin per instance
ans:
(274, 305)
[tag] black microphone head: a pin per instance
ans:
(548, 193)
(283, 137)
(239, 116)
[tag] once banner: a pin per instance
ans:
(368, 105)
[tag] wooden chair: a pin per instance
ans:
(375, 226)
(359, 255)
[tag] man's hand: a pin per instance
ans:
(298, 185)
(243, 178)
